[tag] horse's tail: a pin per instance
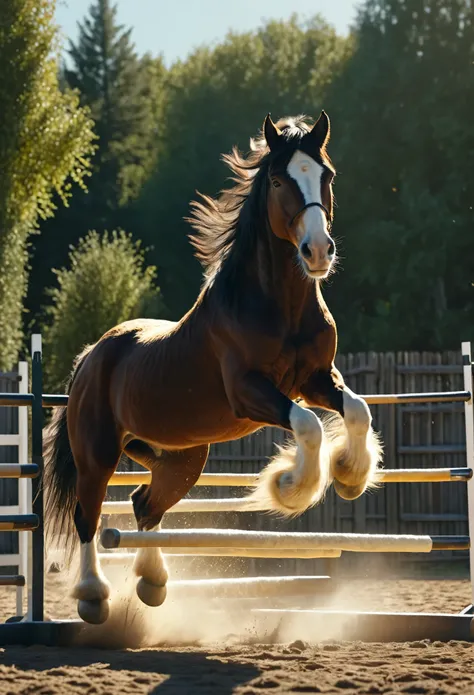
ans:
(60, 472)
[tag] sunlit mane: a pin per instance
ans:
(221, 223)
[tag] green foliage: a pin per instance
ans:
(399, 91)
(403, 141)
(45, 144)
(107, 283)
(124, 94)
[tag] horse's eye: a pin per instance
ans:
(276, 183)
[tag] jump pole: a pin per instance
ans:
(394, 475)
(231, 538)
(274, 554)
(250, 587)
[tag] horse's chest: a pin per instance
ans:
(293, 365)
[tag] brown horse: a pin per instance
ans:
(259, 338)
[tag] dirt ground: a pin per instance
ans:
(202, 653)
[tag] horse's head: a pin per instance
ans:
(300, 201)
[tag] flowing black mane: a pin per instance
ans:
(227, 226)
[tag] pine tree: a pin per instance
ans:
(114, 83)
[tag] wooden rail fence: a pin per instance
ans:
(414, 436)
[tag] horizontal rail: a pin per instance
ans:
(16, 399)
(276, 554)
(233, 504)
(19, 470)
(52, 400)
(10, 509)
(394, 475)
(55, 399)
(12, 580)
(211, 479)
(113, 538)
(249, 587)
(430, 397)
(451, 542)
(425, 475)
(18, 522)
(9, 439)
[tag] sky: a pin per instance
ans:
(175, 28)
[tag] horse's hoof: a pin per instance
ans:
(349, 492)
(95, 612)
(150, 594)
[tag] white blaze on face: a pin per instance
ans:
(308, 174)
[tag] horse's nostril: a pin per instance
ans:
(331, 248)
(305, 250)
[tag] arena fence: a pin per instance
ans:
(30, 627)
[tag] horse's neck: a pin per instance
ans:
(268, 268)
(281, 278)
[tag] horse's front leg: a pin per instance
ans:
(297, 477)
(355, 449)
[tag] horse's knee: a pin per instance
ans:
(357, 415)
(146, 515)
(307, 427)
(85, 527)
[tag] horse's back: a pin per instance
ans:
(92, 379)
(141, 328)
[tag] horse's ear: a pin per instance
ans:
(271, 132)
(321, 131)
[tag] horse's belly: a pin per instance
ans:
(187, 417)
(182, 432)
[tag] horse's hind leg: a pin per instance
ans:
(173, 474)
(96, 460)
